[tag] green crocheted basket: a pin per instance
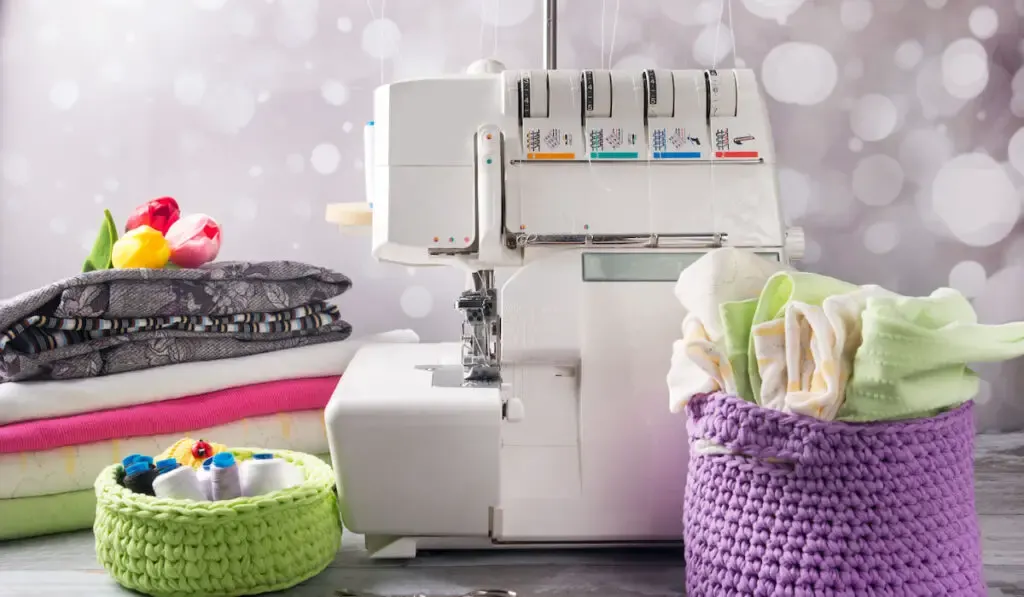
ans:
(244, 546)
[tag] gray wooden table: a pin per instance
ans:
(65, 564)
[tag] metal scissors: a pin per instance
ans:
(476, 593)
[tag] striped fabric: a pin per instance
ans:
(40, 333)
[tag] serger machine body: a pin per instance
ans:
(573, 199)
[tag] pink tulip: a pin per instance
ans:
(194, 240)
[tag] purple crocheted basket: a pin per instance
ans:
(808, 507)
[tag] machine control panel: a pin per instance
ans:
(655, 114)
(676, 117)
(549, 108)
(612, 116)
(734, 135)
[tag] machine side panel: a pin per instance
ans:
(412, 458)
(431, 122)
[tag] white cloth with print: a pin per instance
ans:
(699, 363)
(722, 276)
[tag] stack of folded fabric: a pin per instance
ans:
(114, 362)
(817, 346)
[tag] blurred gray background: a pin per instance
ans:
(898, 125)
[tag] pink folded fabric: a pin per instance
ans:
(170, 416)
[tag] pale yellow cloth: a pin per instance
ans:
(806, 358)
(699, 366)
(794, 356)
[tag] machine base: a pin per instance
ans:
(384, 547)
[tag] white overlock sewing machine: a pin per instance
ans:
(574, 200)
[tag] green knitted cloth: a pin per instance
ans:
(244, 546)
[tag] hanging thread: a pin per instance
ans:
(380, 33)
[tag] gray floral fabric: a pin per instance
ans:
(216, 289)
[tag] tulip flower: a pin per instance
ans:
(194, 240)
(141, 247)
(158, 214)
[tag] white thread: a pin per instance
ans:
(615, 32)
(259, 477)
(180, 483)
(380, 32)
(604, 7)
(586, 140)
(714, 66)
(732, 35)
(483, 27)
(224, 482)
(497, 19)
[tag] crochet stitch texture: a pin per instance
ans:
(244, 546)
(811, 507)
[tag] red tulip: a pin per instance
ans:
(158, 214)
(194, 240)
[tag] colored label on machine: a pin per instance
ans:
(614, 155)
(675, 144)
(612, 143)
(731, 147)
(746, 155)
(549, 144)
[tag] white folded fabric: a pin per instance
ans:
(28, 400)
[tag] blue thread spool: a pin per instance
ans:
(166, 465)
(130, 459)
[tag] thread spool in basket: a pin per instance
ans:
(139, 477)
(177, 482)
(224, 481)
(265, 474)
(128, 461)
(165, 465)
(132, 459)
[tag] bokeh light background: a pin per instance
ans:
(898, 125)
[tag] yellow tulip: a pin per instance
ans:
(141, 247)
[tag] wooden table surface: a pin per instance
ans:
(65, 565)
